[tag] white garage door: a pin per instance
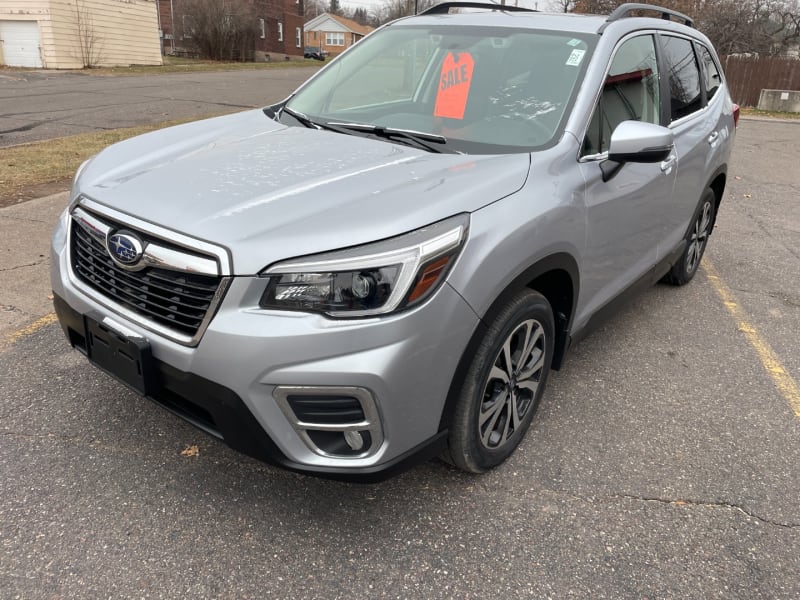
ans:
(20, 41)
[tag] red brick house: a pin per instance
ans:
(278, 26)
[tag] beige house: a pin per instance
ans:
(334, 34)
(72, 34)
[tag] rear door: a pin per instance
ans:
(696, 130)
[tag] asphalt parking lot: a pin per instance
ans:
(664, 461)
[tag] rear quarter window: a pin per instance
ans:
(711, 74)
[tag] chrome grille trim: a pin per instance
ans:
(154, 254)
(173, 237)
(173, 295)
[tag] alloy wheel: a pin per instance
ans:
(699, 237)
(512, 383)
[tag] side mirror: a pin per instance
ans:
(634, 141)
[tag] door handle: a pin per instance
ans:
(713, 138)
(666, 165)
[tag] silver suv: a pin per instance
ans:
(385, 266)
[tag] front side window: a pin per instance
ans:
(630, 93)
(484, 89)
(684, 76)
(334, 38)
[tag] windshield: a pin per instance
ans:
(484, 89)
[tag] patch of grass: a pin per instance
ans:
(754, 112)
(174, 64)
(56, 160)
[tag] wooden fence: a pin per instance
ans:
(747, 76)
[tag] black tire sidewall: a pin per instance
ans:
(466, 449)
(680, 274)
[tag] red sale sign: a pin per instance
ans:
(454, 82)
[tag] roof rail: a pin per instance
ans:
(625, 10)
(443, 8)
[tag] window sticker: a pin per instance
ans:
(574, 42)
(454, 82)
(575, 58)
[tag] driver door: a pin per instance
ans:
(626, 214)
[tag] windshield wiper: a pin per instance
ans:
(300, 117)
(419, 138)
(306, 121)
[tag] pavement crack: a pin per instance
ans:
(33, 264)
(790, 300)
(26, 219)
(705, 504)
(769, 233)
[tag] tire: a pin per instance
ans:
(496, 403)
(683, 271)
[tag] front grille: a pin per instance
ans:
(173, 299)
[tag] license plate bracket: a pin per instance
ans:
(126, 358)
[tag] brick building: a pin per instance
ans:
(279, 26)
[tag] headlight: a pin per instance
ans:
(368, 280)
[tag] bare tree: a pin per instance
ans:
(89, 42)
(314, 8)
(219, 30)
(395, 9)
(763, 27)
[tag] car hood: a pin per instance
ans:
(269, 192)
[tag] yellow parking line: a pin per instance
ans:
(33, 327)
(772, 364)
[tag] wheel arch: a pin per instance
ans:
(556, 278)
(717, 184)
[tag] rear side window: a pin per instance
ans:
(684, 76)
(710, 71)
(630, 93)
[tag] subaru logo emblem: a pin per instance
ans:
(125, 248)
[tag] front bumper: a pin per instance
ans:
(227, 384)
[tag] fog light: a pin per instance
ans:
(335, 421)
(354, 440)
